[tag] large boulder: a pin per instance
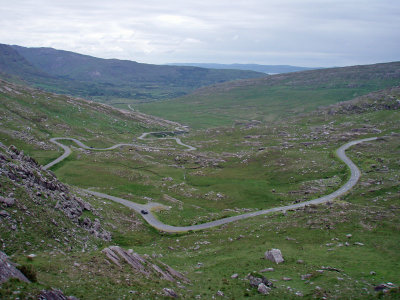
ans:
(274, 255)
(8, 270)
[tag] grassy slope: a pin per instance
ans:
(258, 159)
(31, 117)
(274, 97)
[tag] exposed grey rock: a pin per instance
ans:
(267, 270)
(306, 276)
(54, 295)
(142, 265)
(8, 202)
(220, 294)
(8, 270)
(255, 281)
(234, 276)
(4, 214)
(170, 293)
(286, 278)
(263, 289)
(274, 255)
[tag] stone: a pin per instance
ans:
(300, 261)
(220, 294)
(4, 214)
(234, 276)
(31, 256)
(263, 289)
(349, 235)
(286, 278)
(8, 202)
(170, 293)
(267, 270)
(255, 281)
(274, 255)
(8, 270)
(306, 276)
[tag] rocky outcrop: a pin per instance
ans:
(8, 270)
(43, 189)
(145, 266)
(54, 295)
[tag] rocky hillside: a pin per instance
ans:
(388, 99)
(38, 211)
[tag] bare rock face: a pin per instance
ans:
(54, 295)
(43, 188)
(274, 255)
(146, 267)
(8, 270)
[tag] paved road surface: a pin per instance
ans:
(153, 221)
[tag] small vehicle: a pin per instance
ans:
(144, 212)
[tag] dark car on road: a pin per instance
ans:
(144, 212)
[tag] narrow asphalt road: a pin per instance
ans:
(153, 221)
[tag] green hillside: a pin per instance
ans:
(342, 250)
(108, 79)
(274, 97)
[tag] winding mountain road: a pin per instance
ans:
(153, 221)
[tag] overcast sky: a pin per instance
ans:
(296, 32)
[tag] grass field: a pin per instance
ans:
(235, 169)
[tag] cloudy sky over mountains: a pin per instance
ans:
(297, 32)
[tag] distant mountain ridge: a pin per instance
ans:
(268, 69)
(82, 75)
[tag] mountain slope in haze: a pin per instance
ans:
(274, 97)
(268, 69)
(113, 78)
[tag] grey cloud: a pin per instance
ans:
(299, 32)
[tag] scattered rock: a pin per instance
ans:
(358, 244)
(349, 235)
(274, 255)
(384, 287)
(220, 294)
(8, 270)
(331, 269)
(234, 276)
(300, 261)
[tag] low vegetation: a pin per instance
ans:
(344, 249)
